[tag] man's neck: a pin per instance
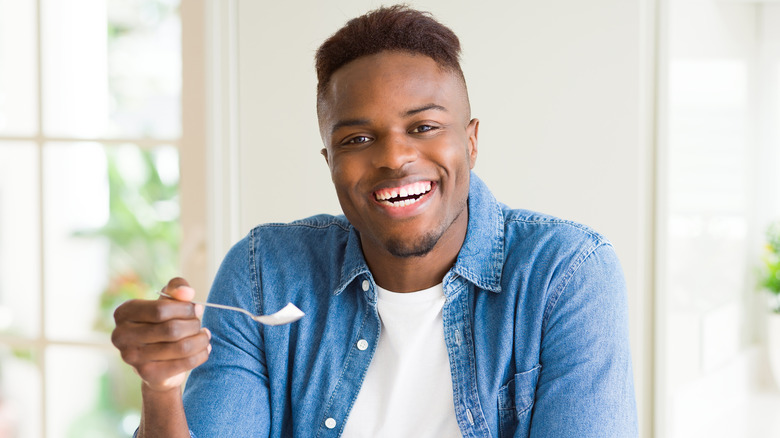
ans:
(409, 275)
(412, 274)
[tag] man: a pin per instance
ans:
(431, 309)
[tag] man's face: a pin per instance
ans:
(400, 146)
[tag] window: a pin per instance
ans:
(719, 190)
(90, 134)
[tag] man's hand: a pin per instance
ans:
(162, 339)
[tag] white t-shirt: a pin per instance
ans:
(407, 390)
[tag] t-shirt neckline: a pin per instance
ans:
(430, 294)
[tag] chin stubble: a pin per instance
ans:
(424, 244)
(419, 248)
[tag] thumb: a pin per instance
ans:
(179, 289)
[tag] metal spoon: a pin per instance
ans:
(289, 313)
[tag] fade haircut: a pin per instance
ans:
(395, 28)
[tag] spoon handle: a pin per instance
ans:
(289, 313)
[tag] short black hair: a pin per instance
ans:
(393, 28)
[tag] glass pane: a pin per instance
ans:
(99, 398)
(115, 235)
(20, 389)
(75, 78)
(770, 174)
(707, 239)
(144, 67)
(18, 71)
(709, 178)
(75, 199)
(20, 269)
(112, 68)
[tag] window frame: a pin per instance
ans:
(194, 217)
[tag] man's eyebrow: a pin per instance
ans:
(430, 106)
(360, 122)
(349, 122)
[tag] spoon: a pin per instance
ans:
(289, 313)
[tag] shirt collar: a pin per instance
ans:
(354, 262)
(481, 258)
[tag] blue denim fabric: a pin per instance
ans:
(535, 324)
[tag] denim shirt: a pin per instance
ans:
(535, 324)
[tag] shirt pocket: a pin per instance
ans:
(515, 400)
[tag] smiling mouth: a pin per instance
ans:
(404, 195)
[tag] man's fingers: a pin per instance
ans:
(159, 371)
(162, 375)
(180, 349)
(167, 351)
(145, 311)
(162, 339)
(142, 334)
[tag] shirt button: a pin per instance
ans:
(365, 285)
(362, 344)
(330, 423)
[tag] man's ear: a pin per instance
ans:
(472, 130)
(324, 152)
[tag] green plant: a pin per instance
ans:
(770, 275)
(142, 230)
(143, 236)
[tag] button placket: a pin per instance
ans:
(456, 319)
(337, 408)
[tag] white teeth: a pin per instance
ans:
(411, 190)
(402, 203)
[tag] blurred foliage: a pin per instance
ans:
(142, 230)
(770, 273)
(143, 236)
(144, 67)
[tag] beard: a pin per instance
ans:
(418, 248)
(421, 246)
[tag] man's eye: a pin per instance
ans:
(358, 140)
(423, 128)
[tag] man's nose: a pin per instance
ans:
(395, 151)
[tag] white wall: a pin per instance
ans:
(562, 89)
